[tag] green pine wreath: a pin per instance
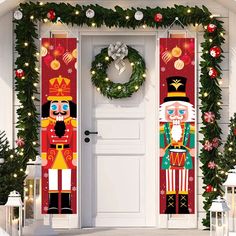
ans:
(117, 90)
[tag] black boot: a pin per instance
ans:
(66, 203)
(170, 204)
(53, 203)
(183, 204)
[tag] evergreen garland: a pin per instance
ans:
(230, 147)
(210, 92)
(12, 174)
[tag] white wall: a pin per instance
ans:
(6, 72)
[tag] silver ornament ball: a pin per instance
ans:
(138, 15)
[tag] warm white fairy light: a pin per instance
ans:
(127, 17)
(36, 69)
(144, 26)
(231, 143)
(26, 44)
(34, 143)
(210, 40)
(98, 89)
(45, 20)
(196, 24)
(35, 84)
(220, 82)
(205, 94)
(205, 27)
(29, 114)
(132, 64)
(106, 79)
(33, 97)
(26, 64)
(21, 153)
(107, 58)
(76, 12)
(23, 77)
(230, 149)
(26, 189)
(189, 10)
(211, 16)
(136, 87)
(11, 156)
(41, 3)
(37, 54)
(15, 175)
(144, 75)
(221, 34)
(31, 185)
(93, 72)
(93, 24)
(218, 103)
(206, 51)
(21, 170)
(32, 17)
(119, 87)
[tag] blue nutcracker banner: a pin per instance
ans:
(58, 125)
(177, 125)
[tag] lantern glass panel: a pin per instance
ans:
(231, 199)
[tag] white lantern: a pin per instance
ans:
(230, 191)
(32, 199)
(219, 217)
(14, 223)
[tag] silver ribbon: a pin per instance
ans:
(118, 52)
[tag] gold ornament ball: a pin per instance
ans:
(176, 52)
(55, 64)
(74, 53)
(179, 64)
(43, 51)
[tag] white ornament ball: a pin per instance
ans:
(90, 13)
(138, 15)
(18, 15)
(179, 64)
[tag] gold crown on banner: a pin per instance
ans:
(59, 89)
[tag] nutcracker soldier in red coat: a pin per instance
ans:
(59, 146)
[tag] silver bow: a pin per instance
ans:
(118, 52)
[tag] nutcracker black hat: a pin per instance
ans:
(176, 89)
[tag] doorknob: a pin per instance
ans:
(87, 132)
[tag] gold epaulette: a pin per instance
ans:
(44, 123)
(192, 128)
(74, 122)
(162, 128)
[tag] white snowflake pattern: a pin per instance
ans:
(69, 71)
(163, 69)
(45, 175)
(51, 47)
(162, 192)
(191, 179)
(74, 188)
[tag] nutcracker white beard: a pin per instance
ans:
(176, 131)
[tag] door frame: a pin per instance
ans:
(105, 32)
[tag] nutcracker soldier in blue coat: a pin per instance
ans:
(177, 142)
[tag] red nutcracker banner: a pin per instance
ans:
(177, 125)
(59, 126)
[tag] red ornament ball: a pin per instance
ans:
(59, 50)
(186, 59)
(211, 28)
(158, 17)
(215, 51)
(213, 73)
(48, 59)
(51, 15)
(209, 188)
(19, 73)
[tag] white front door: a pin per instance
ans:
(119, 164)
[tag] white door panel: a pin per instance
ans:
(118, 164)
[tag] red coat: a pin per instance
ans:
(59, 152)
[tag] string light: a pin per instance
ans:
(34, 143)
(11, 156)
(144, 75)
(127, 17)
(21, 153)
(136, 87)
(35, 84)
(31, 185)
(26, 189)
(132, 64)
(93, 24)
(106, 79)
(210, 40)
(29, 114)
(230, 149)
(26, 64)
(93, 72)
(41, 3)
(36, 69)
(33, 97)
(37, 54)
(205, 94)
(21, 169)
(31, 17)
(220, 82)
(218, 103)
(189, 10)
(107, 58)
(76, 12)
(15, 175)
(119, 87)
(221, 34)
(196, 24)
(144, 26)
(45, 20)
(26, 44)
(98, 89)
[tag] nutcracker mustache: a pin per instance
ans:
(60, 128)
(59, 113)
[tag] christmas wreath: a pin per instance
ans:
(117, 53)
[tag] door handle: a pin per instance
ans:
(87, 132)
